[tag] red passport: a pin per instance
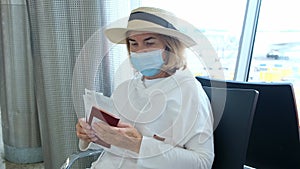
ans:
(103, 116)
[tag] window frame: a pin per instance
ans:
(247, 39)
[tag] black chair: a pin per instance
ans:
(274, 139)
(233, 111)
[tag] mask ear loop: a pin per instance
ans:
(167, 52)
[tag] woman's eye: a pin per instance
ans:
(149, 43)
(133, 44)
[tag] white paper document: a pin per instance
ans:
(99, 107)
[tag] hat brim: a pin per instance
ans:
(119, 35)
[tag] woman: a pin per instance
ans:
(166, 119)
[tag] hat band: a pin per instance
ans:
(151, 18)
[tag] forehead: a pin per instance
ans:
(142, 35)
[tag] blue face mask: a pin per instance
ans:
(148, 63)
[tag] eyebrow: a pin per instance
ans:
(146, 39)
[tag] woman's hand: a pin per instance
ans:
(124, 135)
(84, 131)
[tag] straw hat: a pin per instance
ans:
(149, 19)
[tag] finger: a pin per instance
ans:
(104, 130)
(94, 139)
(97, 128)
(86, 136)
(90, 134)
(84, 124)
(81, 121)
(82, 136)
(81, 129)
(87, 132)
(124, 125)
(101, 124)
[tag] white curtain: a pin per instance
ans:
(57, 32)
(20, 127)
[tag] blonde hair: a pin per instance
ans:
(175, 58)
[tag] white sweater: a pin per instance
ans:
(176, 109)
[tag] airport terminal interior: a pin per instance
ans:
(51, 51)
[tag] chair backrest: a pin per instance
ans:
(274, 139)
(233, 111)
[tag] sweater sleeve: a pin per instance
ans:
(157, 154)
(83, 146)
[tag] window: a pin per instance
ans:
(276, 53)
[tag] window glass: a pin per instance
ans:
(276, 54)
(217, 20)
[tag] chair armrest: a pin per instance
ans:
(73, 157)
